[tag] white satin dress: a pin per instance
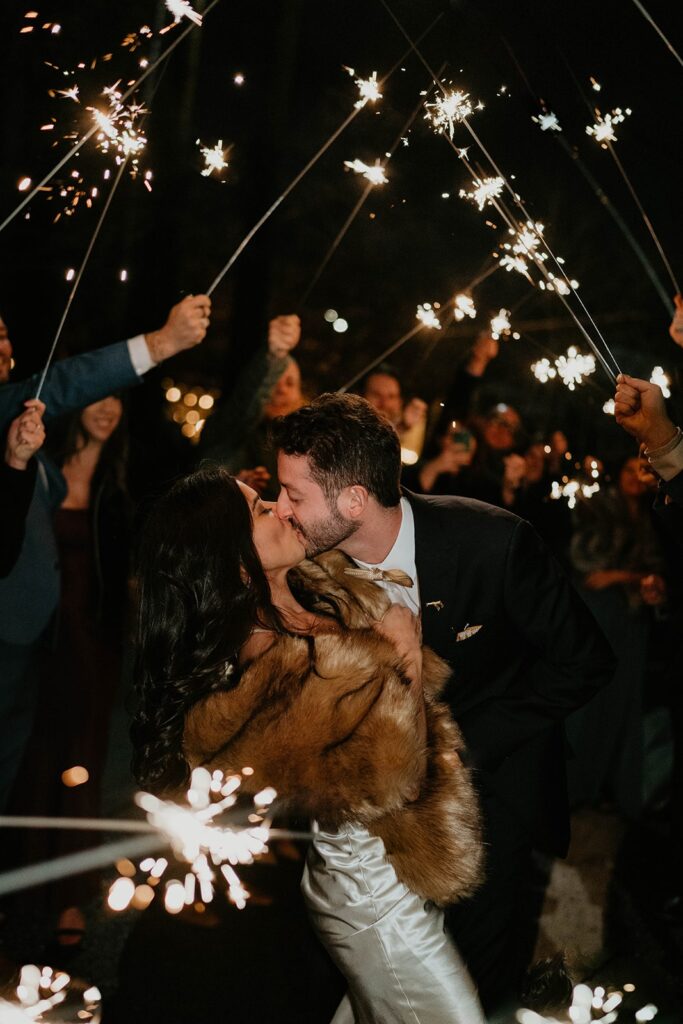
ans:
(389, 943)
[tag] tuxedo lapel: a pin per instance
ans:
(436, 561)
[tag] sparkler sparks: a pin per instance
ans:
(41, 989)
(368, 89)
(117, 126)
(500, 324)
(214, 158)
(464, 306)
(659, 378)
(448, 110)
(374, 174)
(547, 121)
(427, 316)
(182, 9)
(484, 191)
(571, 490)
(573, 367)
(543, 371)
(197, 840)
(603, 129)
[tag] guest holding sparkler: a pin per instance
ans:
(236, 435)
(306, 672)
(69, 384)
(382, 389)
(25, 437)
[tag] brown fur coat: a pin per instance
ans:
(331, 723)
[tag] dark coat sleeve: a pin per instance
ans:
(72, 383)
(569, 659)
(16, 492)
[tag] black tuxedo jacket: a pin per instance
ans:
(537, 655)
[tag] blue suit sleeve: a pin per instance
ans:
(72, 383)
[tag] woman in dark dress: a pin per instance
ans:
(65, 758)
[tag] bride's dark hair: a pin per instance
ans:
(201, 591)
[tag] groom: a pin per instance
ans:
(524, 649)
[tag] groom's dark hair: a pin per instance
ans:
(347, 442)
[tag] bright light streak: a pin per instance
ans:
(374, 173)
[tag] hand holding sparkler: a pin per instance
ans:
(25, 435)
(284, 334)
(485, 348)
(639, 408)
(185, 327)
(676, 328)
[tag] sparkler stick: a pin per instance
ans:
(658, 31)
(518, 202)
(79, 275)
(95, 128)
(304, 171)
(358, 206)
(646, 219)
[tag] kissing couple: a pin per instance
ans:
(332, 641)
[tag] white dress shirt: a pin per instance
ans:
(401, 556)
(139, 355)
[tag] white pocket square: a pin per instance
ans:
(466, 633)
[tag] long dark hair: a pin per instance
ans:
(70, 437)
(201, 591)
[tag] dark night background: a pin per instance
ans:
(418, 246)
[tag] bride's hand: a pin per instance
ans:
(403, 629)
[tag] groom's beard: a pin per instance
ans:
(324, 534)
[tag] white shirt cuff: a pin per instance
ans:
(139, 355)
(670, 465)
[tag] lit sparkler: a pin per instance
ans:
(464, 306)
(182, 9)
(603, 129)
(573, 367)
(196, 839)
(368, 89)
(571, 490)
(547, 121)
(427, 316)
(41, 989)
(500, 324)
(484, 191)
(543, 370)
(598, 1004)
(608, 407)
(117, 129)
(374, 173)
(214, 158)
(448, 110)
(659, 378)
(69, 94)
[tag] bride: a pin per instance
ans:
(248, 654)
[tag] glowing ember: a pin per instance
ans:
(69, 94)
(214, 158)
(448, 110)
(500, 324)
(484, 191)
(464, 306)
(374, 174)
(368, 89)
(603, 129)
(425, 313)
(182, 9)
(543, 371)
(573, 367)
(659, 378)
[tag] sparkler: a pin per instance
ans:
(603, 129)
(599, 1004)
(89, 134)
(500, 324)
(543, 371)
(464, 306)
(427, 316)
(79, 275)
(448, 110)
(182, 9)
(658, 31)
(573, 367)
(117, 128)
(368, 89)
(304, 171)
(547, 121)
(572, 489)
(518, 202)
(484, 191)
(662, 381)
(608, 407)
(373, 173)
(214, 158)
(42, 989)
